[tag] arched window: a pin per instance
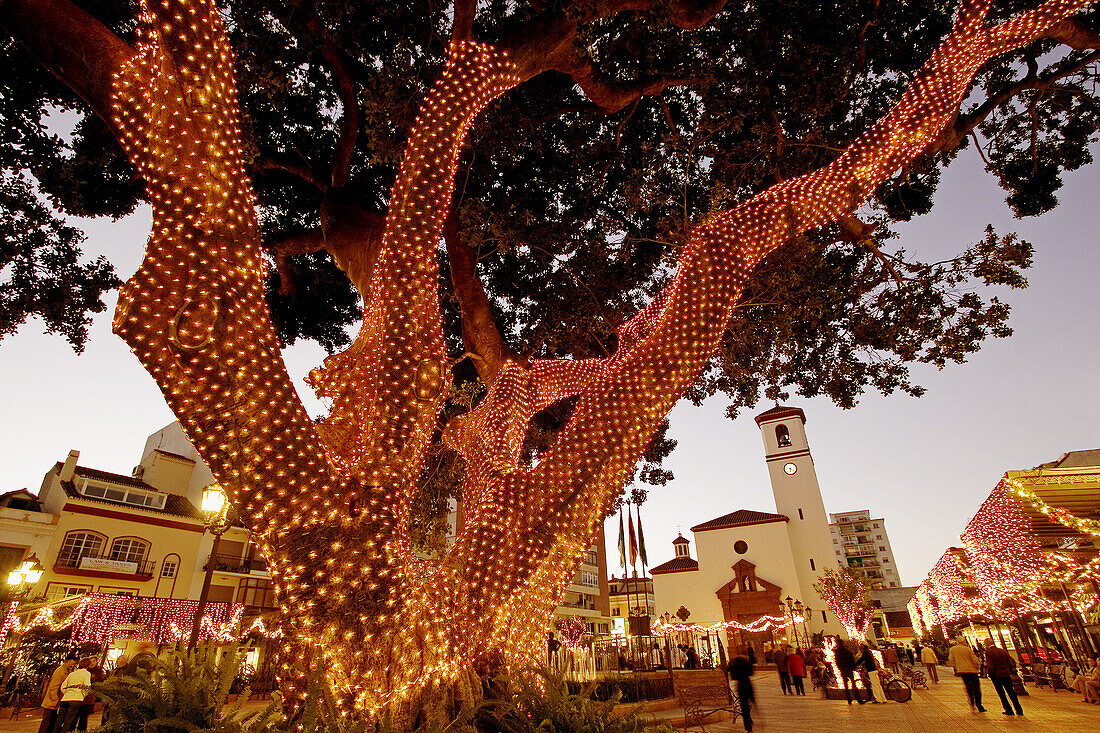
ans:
(80, 544)
(782, 436)
(129, 549)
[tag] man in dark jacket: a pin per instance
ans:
(846, 663)
(779, 656)
(740, 669)
(999, 664)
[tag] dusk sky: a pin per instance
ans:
(923, 464)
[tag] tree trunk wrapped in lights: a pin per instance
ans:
(329, 502)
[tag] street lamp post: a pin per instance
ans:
(804, 612)
(215, 511)
(21, 580)
(790, 614)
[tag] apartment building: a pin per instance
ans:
(141, 534)
(631, 596)
(588, 595)
(860, 540)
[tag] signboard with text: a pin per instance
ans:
(107, 565)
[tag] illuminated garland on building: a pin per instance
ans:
(762, 623)
(103, 619)
(1005, 565)
(1002, 551)
(1056, 514)
(329, 502)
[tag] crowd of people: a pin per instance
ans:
(854, 661)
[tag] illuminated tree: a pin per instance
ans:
(844, 591)
(330, 501)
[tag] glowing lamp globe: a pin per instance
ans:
(29, 572)
(213, 499)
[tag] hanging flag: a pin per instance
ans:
(641, 542)
(622, 541)
(633, 539)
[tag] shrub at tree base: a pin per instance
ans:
(188, 691)
(182, 691)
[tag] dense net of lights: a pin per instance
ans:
(329, 502)
(1003, 571)
(1002, 552)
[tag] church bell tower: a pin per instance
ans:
(798, 497)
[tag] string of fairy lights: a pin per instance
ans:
(102, 619)
(762, 623)
(329, 502)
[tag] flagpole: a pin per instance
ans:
(626, 575)
(633, 547)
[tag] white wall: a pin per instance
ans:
(769, 549)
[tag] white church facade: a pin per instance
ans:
(749, 562)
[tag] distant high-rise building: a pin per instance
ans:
(859, 540)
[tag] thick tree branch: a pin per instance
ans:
(480, 334)
(75, 47)
(954, 132)
(294, 244)
(294, 168)
(349, 129)
(546, 44)
(1073, 35)
(463, 28)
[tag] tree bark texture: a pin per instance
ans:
(329, 502)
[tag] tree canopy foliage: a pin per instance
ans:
(576, 189)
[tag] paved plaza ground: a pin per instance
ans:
(941, 709)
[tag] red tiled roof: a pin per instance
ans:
(177, 456)
(114, 478)
(174, 504)
(740, 518)
(779, 412)
(675, 565)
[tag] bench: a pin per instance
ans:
(703, 692)
(1049, 674)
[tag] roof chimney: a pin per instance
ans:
(69, 468)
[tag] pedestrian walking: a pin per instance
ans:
(752, 656)
(846, 664)
(928, 658)
(890, 659)
(1000, 665)
(73, 690)
(692, 658)
(796, 665)
(779, 656)
(740, 669)
(912, 657)
(51, 697)
(966, 665)
(870, 664)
